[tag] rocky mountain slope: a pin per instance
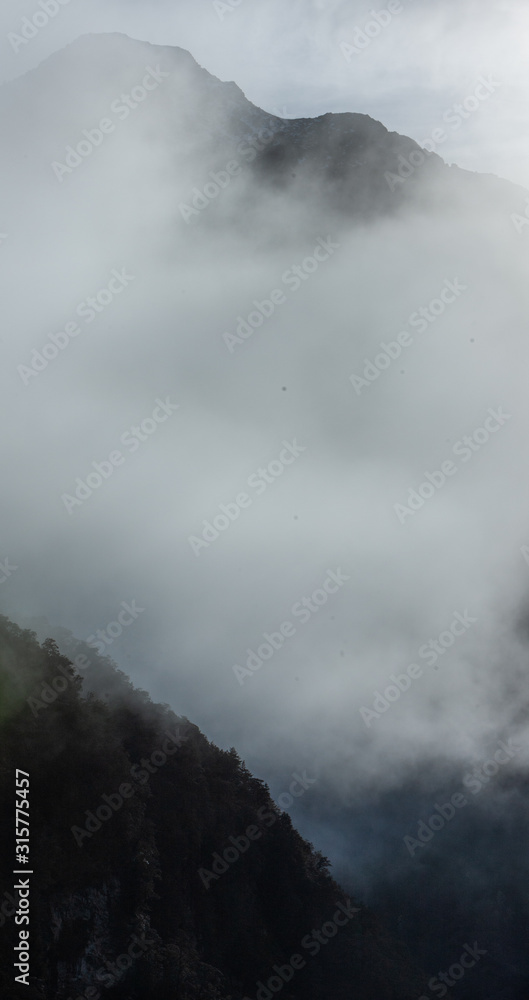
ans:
(347, 166)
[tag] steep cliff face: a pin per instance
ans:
(160, 866)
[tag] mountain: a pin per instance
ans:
(347, 166)
(159, 866)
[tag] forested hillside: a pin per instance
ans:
(160, 866)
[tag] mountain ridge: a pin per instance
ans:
(348, 160)
(149, 862)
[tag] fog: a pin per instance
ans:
(340, 459)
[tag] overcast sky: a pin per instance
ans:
(287, 57)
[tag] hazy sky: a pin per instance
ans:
(287, 57)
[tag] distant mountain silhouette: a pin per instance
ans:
(346, 166)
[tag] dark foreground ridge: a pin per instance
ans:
(161, 867)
